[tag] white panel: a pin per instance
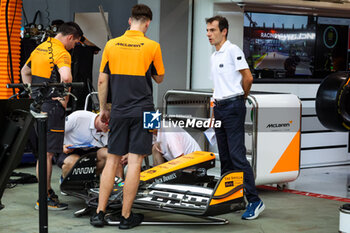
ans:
(201, 49)
(324, 156)
(278, 109)
(235, 30)
(270, 148)
(311, 124)
(324, 139)
(94, 29)
(298, 89)
(276, 178)
(308, 107)
(153, 30)
(278, 124)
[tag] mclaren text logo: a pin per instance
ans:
(83, 170)
(279, 125)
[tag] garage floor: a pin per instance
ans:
(285, 211)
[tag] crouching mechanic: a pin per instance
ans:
(83, 128)
(172, 143)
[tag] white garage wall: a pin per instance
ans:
(95, 30)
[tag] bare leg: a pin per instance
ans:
(157, 156)
(68, 163)
(120, 171)
(49, 156)
(131, 184)
(107, 181)
(101, 161)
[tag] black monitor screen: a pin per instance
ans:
(290, 46)
(331, 52)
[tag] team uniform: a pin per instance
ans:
(80, 129)
(42, 69)
(130, 61)
(230, 109)
(175, 142)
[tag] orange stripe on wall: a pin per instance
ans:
(15, 44)
(289, 161)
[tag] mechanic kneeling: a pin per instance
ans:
(83, 128)
(170, 143)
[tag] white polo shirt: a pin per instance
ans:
(225, 66)
(80, 129)
(176, 141)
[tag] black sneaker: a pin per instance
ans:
(53, 205)
(51, 194)
(98, 220)
(133, 221)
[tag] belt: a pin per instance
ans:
(228, 100)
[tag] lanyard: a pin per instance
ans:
(97, 140)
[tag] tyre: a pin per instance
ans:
(333, 102)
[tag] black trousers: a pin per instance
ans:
(230, 139)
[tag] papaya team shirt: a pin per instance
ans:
(130, 61)
(41, 64)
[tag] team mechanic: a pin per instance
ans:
(232, 81)
(38, 69)
(128, 63)
(81, 128)
(171, 143)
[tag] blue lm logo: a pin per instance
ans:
(151, 120)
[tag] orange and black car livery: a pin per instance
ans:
(40, 61)
(130, 60)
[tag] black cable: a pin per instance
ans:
(24, 15)
(54, 71)
(191, 53)
(52, 64)
(9, 43)
(8, 54)
(49, 40)
(48, 13)
(14, 15)
(35, 16)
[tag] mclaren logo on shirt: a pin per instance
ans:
(128, 45)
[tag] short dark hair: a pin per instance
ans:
(70, 28)
(57, 22)
(223, 23)
(141, 12)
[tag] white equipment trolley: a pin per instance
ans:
(272, 130)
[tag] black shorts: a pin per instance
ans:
(59, 159)
(127, 135)
(55, 125)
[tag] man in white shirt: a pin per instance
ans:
(232, 81)
(172, 143)
(83, 128)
